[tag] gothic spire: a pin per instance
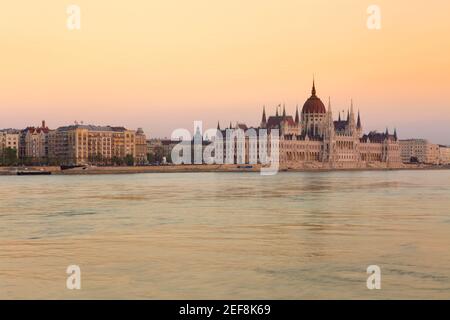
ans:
(313, 91)
(284, 111)
(277, 115)
(297, 119)
(218, 125)
(358, 125)
(264, 120)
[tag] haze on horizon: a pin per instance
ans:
(161, 65)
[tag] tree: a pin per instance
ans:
(9, 157)
(117, 161)
(169, 158)
(159, 153)
(151, 157)
(129, 160)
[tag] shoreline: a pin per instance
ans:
(198, 169)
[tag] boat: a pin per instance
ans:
(34, 173)
(67, 167)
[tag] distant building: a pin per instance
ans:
(33, 144)
(420, 151)
(157, 149)
(444, 155)
(198, 145)
(141, 147)
(314, 138)
(9, 138)
(88, 144)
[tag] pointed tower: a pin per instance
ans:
(351, 121)
(264, 119)
(284, 111)
(277, 115)
(359, 126)
(218, 125)
(297, 118)
(329, 123)
(330, 113)
(395, 134)
(313, 91)
(327, 154)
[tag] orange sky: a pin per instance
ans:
(161, 65)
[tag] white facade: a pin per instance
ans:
(312, 138)
(444, 155)
(419, 150)
(9, 139)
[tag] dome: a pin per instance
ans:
(314, 104)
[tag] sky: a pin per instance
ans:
(162, 65)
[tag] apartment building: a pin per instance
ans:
(88, 144)
(33, 144)
(444, 155)
(9, 138)
(419, 150)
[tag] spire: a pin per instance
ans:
(264, 121)
(395, 134)
(284, 111)
(339, 119)
(218, 125)
(348, 115)
(297, 119)
(277, 115)
(329, 113)
(358, 125)
(313, 91)
(387, 132)
(231, 127)
(351, 106)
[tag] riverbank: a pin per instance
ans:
(201, 168)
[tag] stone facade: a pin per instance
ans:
(33, 144)
(444, 155)
(161, 148)
(87, 144)
(9, 138)
(419, 151)
(313, 139)
(141, 147)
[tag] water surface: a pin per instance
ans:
(226, 235)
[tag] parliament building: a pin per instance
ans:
(313, 139)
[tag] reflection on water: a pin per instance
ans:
(227, 235)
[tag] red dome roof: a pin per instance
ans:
(314, 104)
